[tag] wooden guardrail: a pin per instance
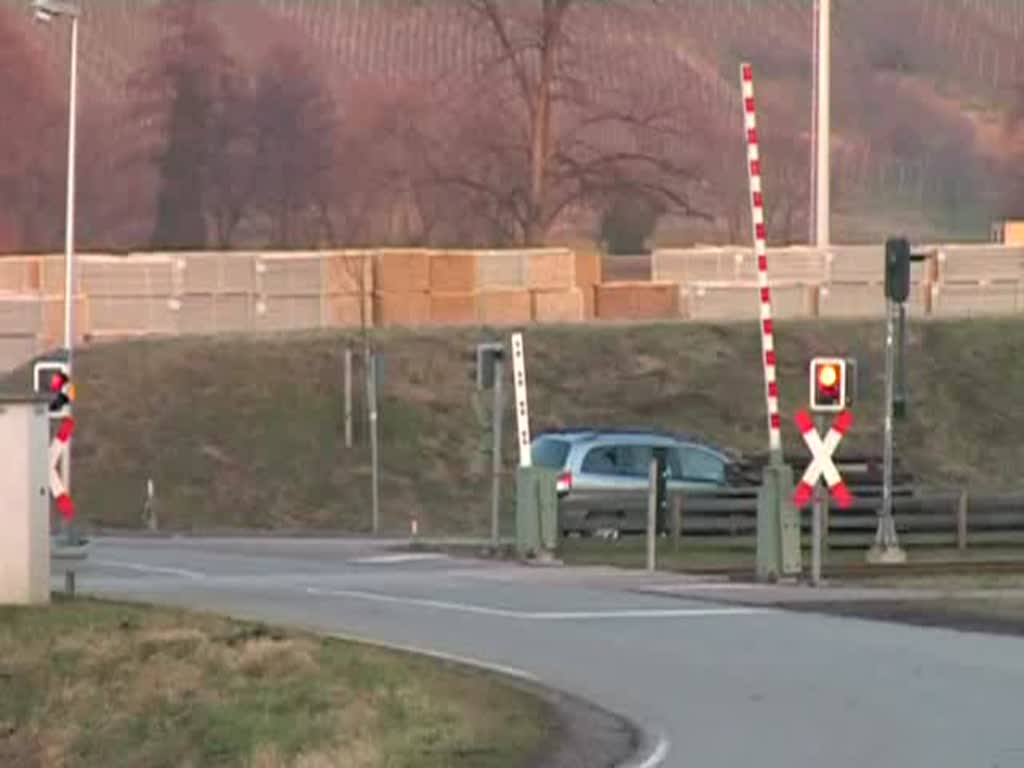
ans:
(952, 518)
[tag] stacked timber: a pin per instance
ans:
(551, 279)
(637, 301)
(402, 287)
(453, 287)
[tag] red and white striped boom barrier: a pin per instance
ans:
(59, 453)
(757, 218)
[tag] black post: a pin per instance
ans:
(661, 459)
(899, 403)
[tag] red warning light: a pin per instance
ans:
(828, 390)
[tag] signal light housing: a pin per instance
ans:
(485, 360)
(897, 269)
(829, 392)
(51, 377)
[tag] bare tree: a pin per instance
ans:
(787, 181)
(193, 101)
(542, 130)
(295, 129)
(231, 177)
(33, 123)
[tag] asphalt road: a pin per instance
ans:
(711, 685)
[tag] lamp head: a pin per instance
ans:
(47, 10)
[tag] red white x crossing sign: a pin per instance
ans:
(58, 453)
(822, 464)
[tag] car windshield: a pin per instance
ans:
(550, 453)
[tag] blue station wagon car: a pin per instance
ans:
(604, 473)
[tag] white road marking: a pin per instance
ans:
(483, 610)
(441, 656)
(194, 575)
(685, 589)
(656, 757)
(412, 557)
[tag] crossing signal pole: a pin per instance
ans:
(898, 259)
(489, 372)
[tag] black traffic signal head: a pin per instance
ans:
(487, 357)
(828, 384)
(51, 378)
(897, 269)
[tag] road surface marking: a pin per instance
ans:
(412, 557)
(482, 610)
(441, 656)
(194, 575)
(686, 589)
(655, 758)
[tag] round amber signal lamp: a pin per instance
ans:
(828, 376)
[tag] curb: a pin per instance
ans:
(576, 735)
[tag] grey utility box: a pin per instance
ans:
(24, 501)
(536, 512)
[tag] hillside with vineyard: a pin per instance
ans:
(416, 123)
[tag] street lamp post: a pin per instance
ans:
(823, 128)
(45, 11)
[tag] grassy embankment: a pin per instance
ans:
(248, 432)
(95, 684)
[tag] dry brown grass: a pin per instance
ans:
(96, 684)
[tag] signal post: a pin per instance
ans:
(53, 378)
(831, 392)
(898, 259)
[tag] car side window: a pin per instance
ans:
(602, 461)
(619, 460)
(637, 459)
(702, 467)
(675, 464)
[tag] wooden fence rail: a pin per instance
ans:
(950, 518)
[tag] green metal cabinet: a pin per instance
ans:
(536, 511)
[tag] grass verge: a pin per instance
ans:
(738, 554)
(997, 614)
(248, 432)
(987, 602)
(87, 683)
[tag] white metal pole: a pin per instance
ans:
(69, 249)
(823, 133)
(812, 160)
(522, 408)
(69, 224)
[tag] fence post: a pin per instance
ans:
(149, 507)
(961, 521)
(348, 396)
(652, 513)
(677, 521)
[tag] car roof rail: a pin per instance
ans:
(594, 431)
